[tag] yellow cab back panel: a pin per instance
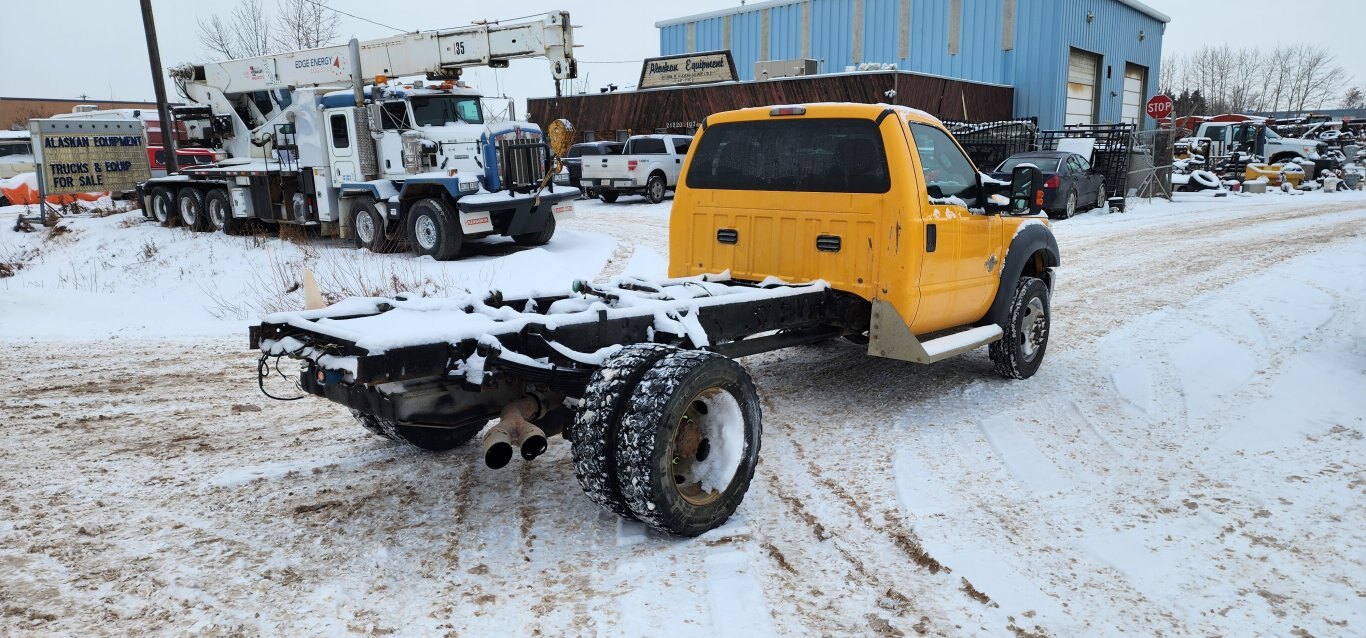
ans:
(798, 197)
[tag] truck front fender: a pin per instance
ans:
(1032, 252)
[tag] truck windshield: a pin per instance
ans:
(439, 110)
(808, 155)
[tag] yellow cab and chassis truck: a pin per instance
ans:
(791, 225)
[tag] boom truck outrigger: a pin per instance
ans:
(309, 143)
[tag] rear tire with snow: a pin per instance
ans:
(161, 201)
(189, 203)
(1019, 352)
(367, 224)
(598, 419)
(218, 210)
(608, 197)
(434, 439)
(655, 188)
(689, 443)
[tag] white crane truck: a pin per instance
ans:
(309, 143)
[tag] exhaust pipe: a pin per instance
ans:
(515, 429)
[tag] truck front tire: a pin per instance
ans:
(598, 420)
(689, 443)
(1019, 352)
(434, 230)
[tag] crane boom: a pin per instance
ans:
(438, 54)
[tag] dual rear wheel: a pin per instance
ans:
(669, 437)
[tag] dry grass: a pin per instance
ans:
(342, 274)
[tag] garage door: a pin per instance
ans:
(1135, 86)
(1082, 96)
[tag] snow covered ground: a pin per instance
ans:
(1187, 462)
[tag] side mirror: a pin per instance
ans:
(1026, 190)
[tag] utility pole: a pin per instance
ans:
(149, 27)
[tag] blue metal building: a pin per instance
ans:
(1069, 61)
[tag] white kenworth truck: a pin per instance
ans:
(308, 141)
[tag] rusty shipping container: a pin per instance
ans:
(682, 109)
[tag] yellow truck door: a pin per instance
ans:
(957, 277)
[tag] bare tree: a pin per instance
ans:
(1354, 99)
(305, 24)
(246, 32)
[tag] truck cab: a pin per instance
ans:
(1257, 138)
(883, 204)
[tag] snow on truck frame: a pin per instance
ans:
(310, 143)
(640, 375)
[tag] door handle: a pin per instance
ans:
(931, 237)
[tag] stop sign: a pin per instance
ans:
(1160, 106)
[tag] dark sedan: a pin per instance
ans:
(574, 160)
(1071, 184)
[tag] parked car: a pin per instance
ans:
(649, 166)
(16, 153)
(574, 161)
(1071, 184)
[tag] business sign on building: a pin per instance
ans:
(83, 156)
(683, 70)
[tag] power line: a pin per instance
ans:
(609, 61)
(381, 24)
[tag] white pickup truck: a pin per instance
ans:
(649, 166)
(1228, 137)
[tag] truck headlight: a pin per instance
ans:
(562, 178)
(469, 187)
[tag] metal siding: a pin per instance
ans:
(673, 39)
(1036, 67)
(710, 34)
(831, 33)
(785, 36)
(744, 43)
(881, 33)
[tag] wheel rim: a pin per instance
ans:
(1032, 326)
(425, 228)
(161, 209)
(217, 213)
(707, 447)
(365, 227)
(657, 189)
(1101, 200)
(1071, 204)
(187, 212)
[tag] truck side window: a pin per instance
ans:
(948, 172)
(681, 145)
(341, 138)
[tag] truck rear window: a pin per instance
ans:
(807, 155)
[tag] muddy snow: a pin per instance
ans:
(1187, 462)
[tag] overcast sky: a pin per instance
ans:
(66, 48)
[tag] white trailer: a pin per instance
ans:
(307, 141)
